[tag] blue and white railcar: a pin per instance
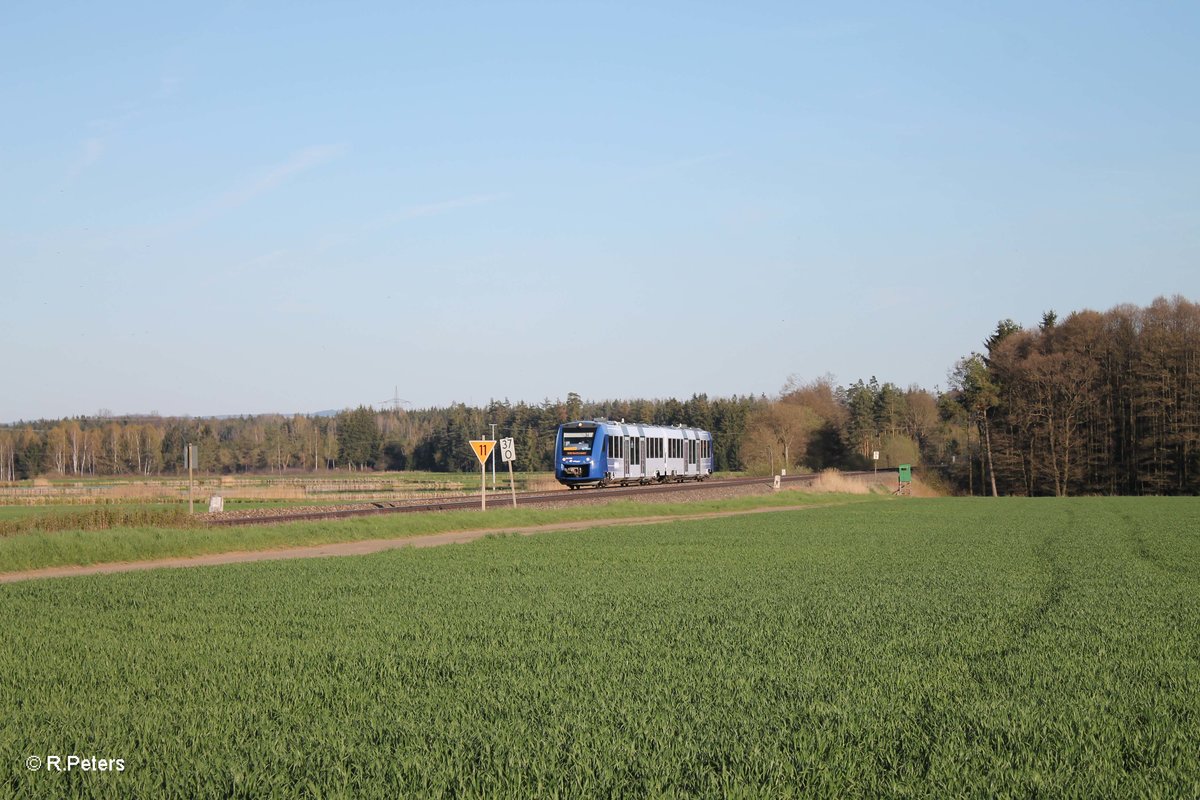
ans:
(600, 452)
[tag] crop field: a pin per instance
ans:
(124, 534)
(911, 647)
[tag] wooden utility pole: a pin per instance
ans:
(191, 459)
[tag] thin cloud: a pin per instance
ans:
(270, 179)
(333, 240)
(91, 150)
(104, 129)
(657, 171)
(258, 185)
(405, 214)
(443, 207)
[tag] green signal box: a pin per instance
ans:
(906, 473)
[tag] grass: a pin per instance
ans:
(99, 518)
(915, 648)
(35, 549)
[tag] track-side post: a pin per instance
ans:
(508, 454)
(190, 456)
(512, 484)
(483, 449)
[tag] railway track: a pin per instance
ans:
(502, 500)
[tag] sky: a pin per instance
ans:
(238, 208)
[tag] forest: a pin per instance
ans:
(1094, 403)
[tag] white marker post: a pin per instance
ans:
(190, 455)
(508, 454)
(875, 458)
(483, 449)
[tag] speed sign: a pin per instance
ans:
(508, 452)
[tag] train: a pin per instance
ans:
(601, 452)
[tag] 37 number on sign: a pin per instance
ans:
(508, 451)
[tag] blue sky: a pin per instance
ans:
(254, 207)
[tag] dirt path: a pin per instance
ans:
(364, 547)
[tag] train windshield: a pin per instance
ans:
(578, 443)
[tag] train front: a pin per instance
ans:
(579, 454)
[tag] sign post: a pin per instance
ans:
(875, 458)
(483, 449)
(508, 454)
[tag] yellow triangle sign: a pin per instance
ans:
(482, 448)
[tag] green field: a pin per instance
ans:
(961, 647)
(33, 549)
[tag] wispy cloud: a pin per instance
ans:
(168, 85)
(335, 239)
(89, 152)
(657, 171)
(92, 149)
(437, 208)
(255, 185)
(102, 130)
(269, 179)
(259, 183)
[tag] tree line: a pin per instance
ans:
(1105, 403)
(363, 438)
(1096, 403)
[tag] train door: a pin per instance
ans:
(616, 459)
(691, 457)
